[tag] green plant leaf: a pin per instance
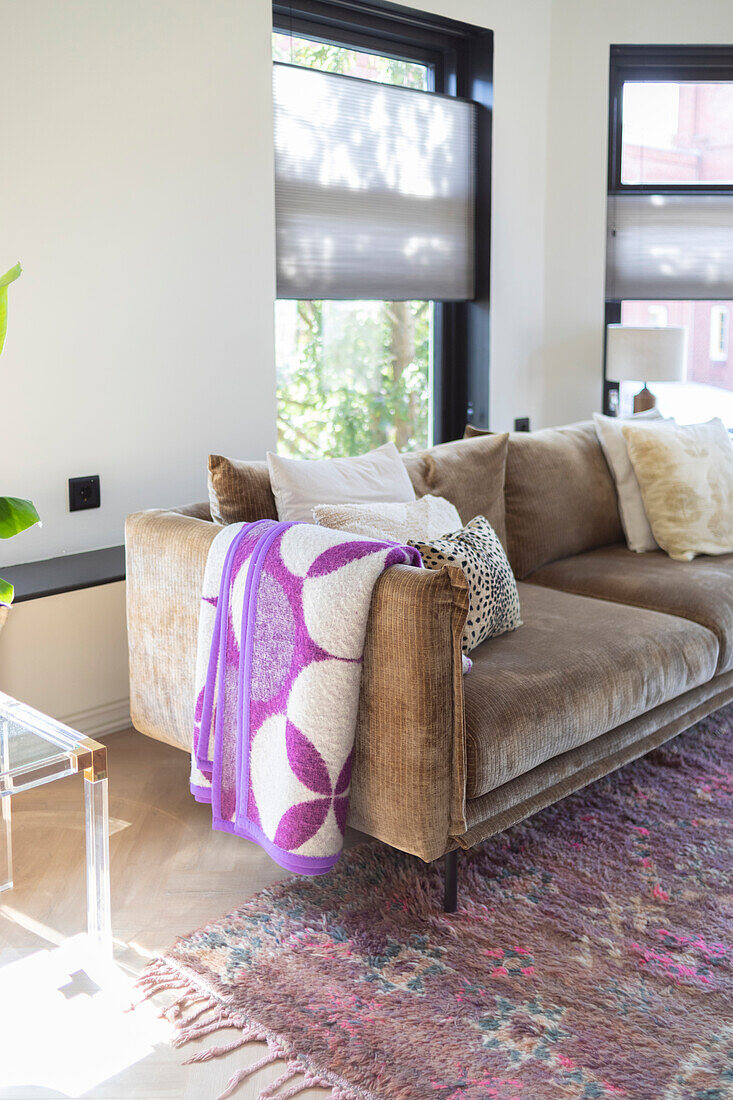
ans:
(5, 281)
(11, 275)
(6, 592)
(3, 315)
(16, 515)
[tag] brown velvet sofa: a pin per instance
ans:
(618, 651)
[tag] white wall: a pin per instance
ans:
(521, 77)
(136, 143)
(67, 656)
(577, 142)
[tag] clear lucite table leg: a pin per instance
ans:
(99, 925)
(6, 838)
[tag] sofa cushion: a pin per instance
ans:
(239, 492)
(634, 521)
(700, 590)
(426, 518)
(560, 496)
(467, 472)
(577, 668)
(686, 478)
(493, 602)
(300, 484)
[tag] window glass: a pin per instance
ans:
(719, 333)
(338, 59)
(708, 388)
(352, 375)
(677, 133)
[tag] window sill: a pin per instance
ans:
(68, 573)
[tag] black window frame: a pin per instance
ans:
(460, 57)
(657, 63)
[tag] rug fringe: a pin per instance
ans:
(186, 1034)
(161, 977)
(214, 1052)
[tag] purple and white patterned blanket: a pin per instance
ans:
(281, 637)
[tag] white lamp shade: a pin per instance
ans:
(646, 354)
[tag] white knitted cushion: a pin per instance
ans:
(422, 519)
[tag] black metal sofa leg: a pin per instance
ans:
(450, 896)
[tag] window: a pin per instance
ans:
(359, 362)
(677, 132)
(352, 375)
(708, 387)
(719, 333)
(312, 54)
(669, 258)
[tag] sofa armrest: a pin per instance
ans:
(409, 775)
(166, 559)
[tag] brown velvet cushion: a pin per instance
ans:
(700, 590)
(467, 472)
(475, 433)
(560, 496)
(576, 669)
(239, 492)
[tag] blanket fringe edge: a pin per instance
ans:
(197, 1012)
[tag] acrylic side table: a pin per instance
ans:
(34, 750)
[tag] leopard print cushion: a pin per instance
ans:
(493, 600)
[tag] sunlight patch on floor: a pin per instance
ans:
(71, 819)
(70, 1028)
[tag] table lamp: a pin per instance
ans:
(650, 354)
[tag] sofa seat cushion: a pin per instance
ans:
(577, 668)
(700, 590)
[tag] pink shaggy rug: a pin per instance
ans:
(591, 955)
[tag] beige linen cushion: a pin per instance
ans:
(299, 484)
(637, 529)
(685, 473)
(426, 518)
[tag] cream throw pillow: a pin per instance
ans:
(685, 473)
(298, 485)
(636, 526)
(423, 519)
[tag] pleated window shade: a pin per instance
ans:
(374, 189)
(668, 247)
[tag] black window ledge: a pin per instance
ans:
(68, 573)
